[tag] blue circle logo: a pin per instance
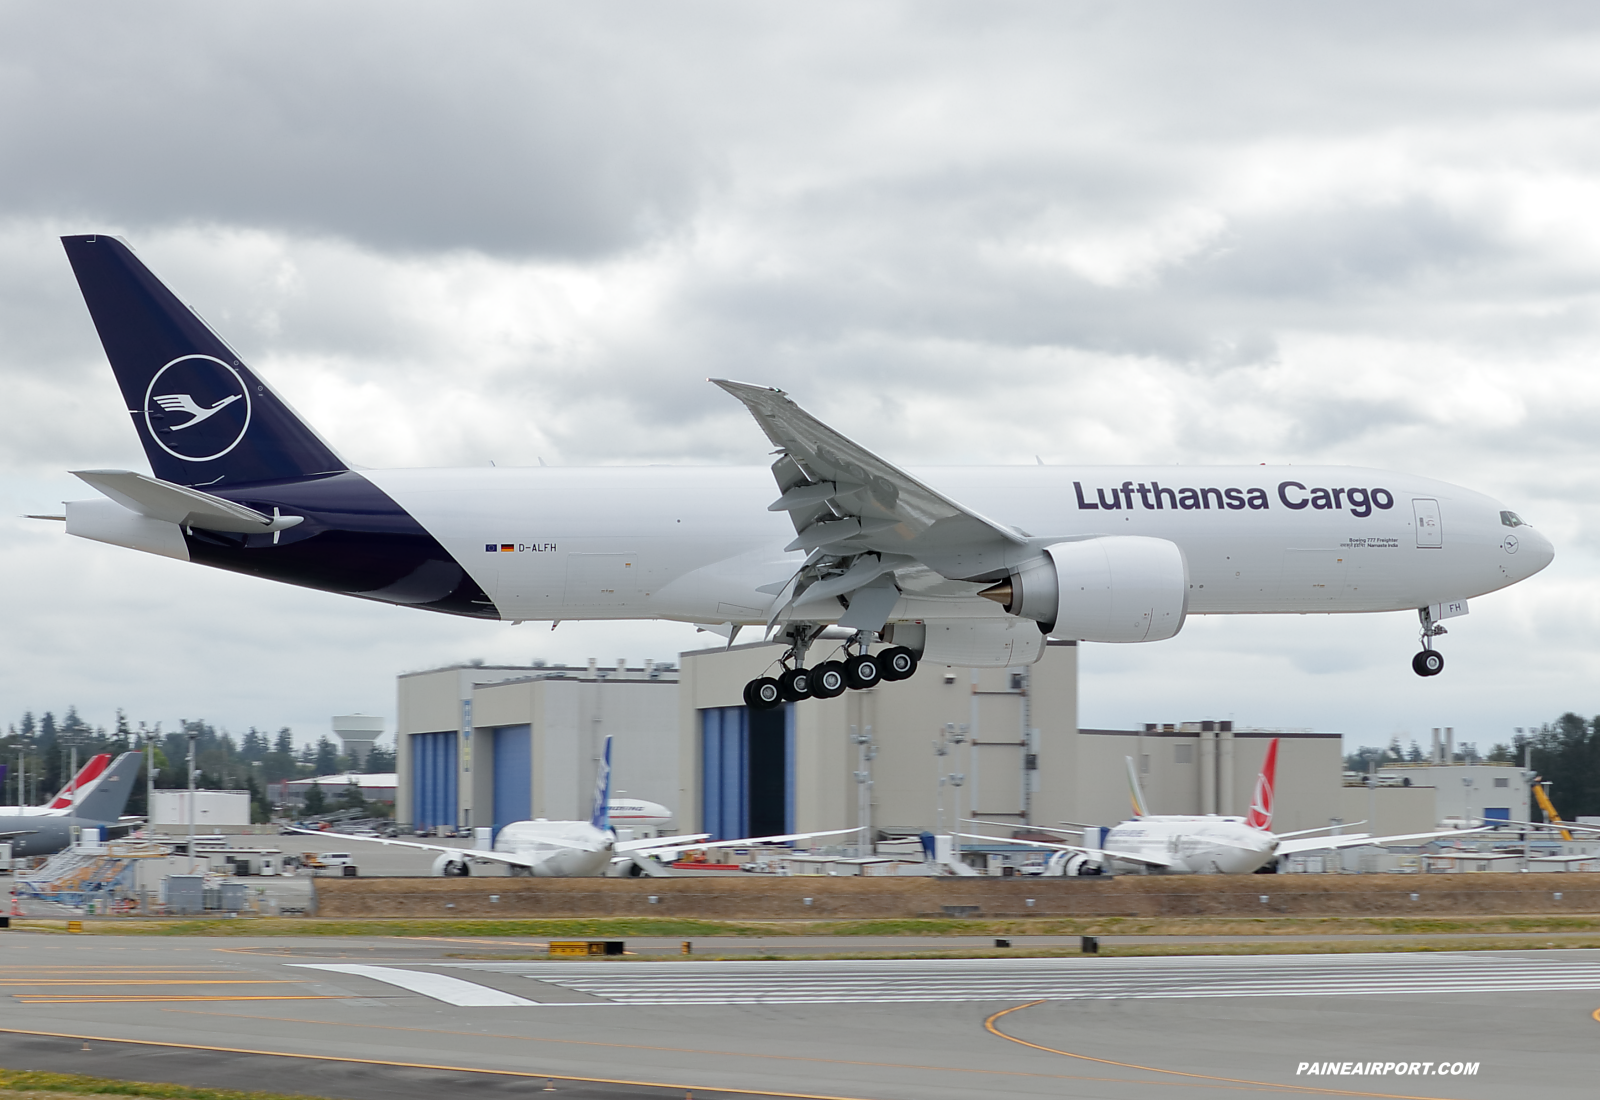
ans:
(197, 408)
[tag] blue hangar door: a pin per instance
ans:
(433, 779)
(747, 771)
(513, 775)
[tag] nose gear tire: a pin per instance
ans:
(1428, 663)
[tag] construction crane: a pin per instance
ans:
(1542, 795)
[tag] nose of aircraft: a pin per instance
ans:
(1534, 552)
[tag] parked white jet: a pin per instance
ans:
(973, 572)
(1207, 844)
(568, 849)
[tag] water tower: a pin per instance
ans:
(357, 732)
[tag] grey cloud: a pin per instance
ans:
(496, 128)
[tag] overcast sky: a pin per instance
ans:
(1168, 233)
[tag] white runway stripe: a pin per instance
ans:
(891, 981)
(441, 987)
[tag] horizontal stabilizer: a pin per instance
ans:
(181, 505)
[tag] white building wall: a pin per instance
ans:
(212, 810)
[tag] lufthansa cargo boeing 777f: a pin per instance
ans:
(961, 566)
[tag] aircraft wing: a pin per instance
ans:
(1098, 853)
(1570, 826)
(865, 519)
(469, 853)
(671, 845)
(1323, 843)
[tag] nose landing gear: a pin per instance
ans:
(1430, 662)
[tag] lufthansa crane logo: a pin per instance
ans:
(197, 408)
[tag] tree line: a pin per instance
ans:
(1565, 753)
(38, 750)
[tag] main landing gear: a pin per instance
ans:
(1430, 662)
(829, 679)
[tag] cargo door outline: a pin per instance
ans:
(1313, 577)
(603, 580)
(1430, 527)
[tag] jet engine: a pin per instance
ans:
(451, 866)
(1118, 588)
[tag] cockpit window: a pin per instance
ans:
(1511, 519)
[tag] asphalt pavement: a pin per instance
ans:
(368, 1017)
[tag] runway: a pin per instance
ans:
(364, 1018)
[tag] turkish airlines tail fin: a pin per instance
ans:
(600, 814)
(80, 785)
(1261, 801)
(1135, 794)
(110, 795)
(203, 417)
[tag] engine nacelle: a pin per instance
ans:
(451, 866)
(1120, 588)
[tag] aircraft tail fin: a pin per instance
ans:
(600, 814)
(79, 785)
(202, 416)
(1135, 792)
(1261, 800)
(110, 795)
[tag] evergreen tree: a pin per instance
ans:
(351, 797)
(326, 759)
(380, 760)
(316, 803)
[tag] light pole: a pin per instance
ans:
(193, 737)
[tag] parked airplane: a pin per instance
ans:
(42, 835)
(854, 552)
(77, 787)
(1207, 844)
(568, 849)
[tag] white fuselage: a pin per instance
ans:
(583, 851)
(1208, 845)
(640, 817)
(698, 544)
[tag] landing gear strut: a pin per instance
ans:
(1430, 662)
(830, 679)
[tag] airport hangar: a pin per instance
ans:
(485, 745)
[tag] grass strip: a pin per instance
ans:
(623, 927)
(14, 1081)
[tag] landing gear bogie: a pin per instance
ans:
(862, 671)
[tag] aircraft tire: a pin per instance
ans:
(828, 680)
(795, 685)
(762, 694)
(1428, 662)
(862, 671)
(897, 663)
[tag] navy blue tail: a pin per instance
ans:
(203, 417)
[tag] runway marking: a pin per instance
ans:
(46, 999)
(78, 1036)
(955, 980)
(162, 981)
(989, 1025)
(677, 1050)
(441, 987)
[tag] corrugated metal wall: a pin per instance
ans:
(433, 779)
(513, 775)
